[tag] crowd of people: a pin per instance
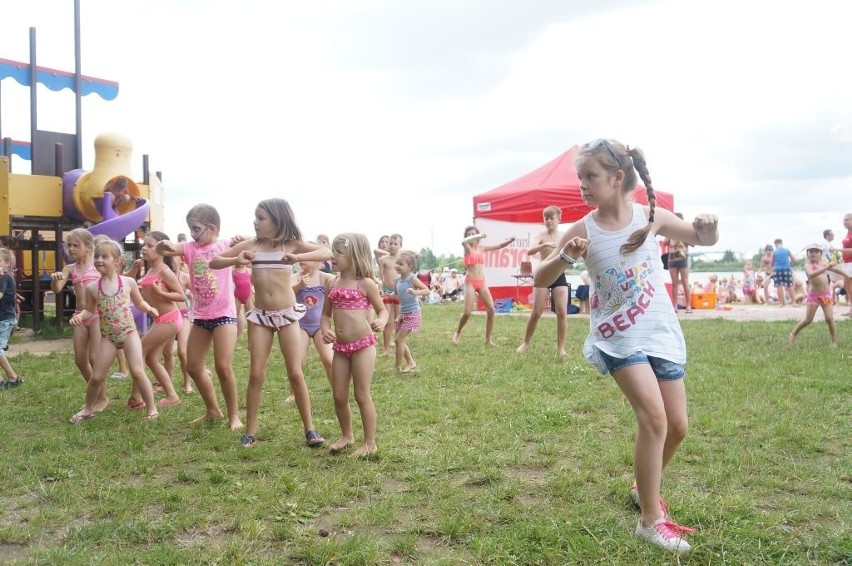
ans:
(340, 294)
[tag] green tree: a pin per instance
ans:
(729, 257)
(427, 259)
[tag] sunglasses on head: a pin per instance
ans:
(594, 144)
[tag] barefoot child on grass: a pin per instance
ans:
(310, 291)
(277, 245)
(214, 313)
(819, 292)
(408, 289)
(387, 274)
(160, 289)
(108, 300)
(635, 334)
(349, 299)
(79, 245)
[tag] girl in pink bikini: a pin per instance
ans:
(474, 280)
(349, 299)
(277, 246)
(819, 292)
(160, 288)
(79, 245)
(108, 300)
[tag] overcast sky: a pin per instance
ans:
(383, 116)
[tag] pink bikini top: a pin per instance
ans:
(77, 278)
(473, 258)
(345, 298)
(150, 279)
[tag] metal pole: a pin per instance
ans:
(33, 99)
(78, 85)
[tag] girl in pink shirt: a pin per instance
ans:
(214, 313)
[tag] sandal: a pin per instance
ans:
(248, 440)
(151, 417)
(314, 439)
(79, 417)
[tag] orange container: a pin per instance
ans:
(703, 300)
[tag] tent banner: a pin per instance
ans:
(502, 264)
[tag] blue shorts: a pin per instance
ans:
(211, 323)
(665, 370)
(6, 327)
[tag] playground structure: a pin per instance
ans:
(58, 195)
(39, 209)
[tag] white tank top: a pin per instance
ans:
(630, 308)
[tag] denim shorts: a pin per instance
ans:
(665, 370)
(6, 327)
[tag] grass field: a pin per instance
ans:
(486, 457)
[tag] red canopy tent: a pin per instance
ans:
(516, 209)
(523, 199)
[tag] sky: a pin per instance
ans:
(388, 116)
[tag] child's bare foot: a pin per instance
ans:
(344, 442)
(410, 368)
(522, 348)
(833, 345)
(290, 399)
(490, 342)
(456, 338)
(81, 416)
(365, 450)
(187, 388)
(236, 423)
(151, 416)
(792, 338)
(208, 417)
(562, 353)
(100, 405)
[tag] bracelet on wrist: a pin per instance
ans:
(567, 259)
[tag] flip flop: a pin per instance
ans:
(166, 402)
(313, 438)
(77, 418)
(134, 406)
(248, 440)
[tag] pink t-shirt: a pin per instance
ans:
(212, 289)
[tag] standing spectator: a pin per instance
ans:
(766, 268)
(782, 271)
(679, 268)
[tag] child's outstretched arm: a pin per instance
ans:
(305, 251)
(235, 255)
(136, 297)
(58, 279)
(169, 248)
(502, 244)
(371, 289)
(703, 231)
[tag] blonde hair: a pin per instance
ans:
(356, 247)
(409, 259)
(552, 211)
(104, 242)
(205, 214)
(82, 237)
(613, 156)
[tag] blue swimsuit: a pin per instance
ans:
(313, 298)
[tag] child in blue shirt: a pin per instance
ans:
(7, 318)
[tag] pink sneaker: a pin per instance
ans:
(634, 495)
(665, 534)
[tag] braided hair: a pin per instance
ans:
(638, 237)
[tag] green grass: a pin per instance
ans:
(486, 457)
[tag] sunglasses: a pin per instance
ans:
(594, 144)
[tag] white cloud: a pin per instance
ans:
(381, 116)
